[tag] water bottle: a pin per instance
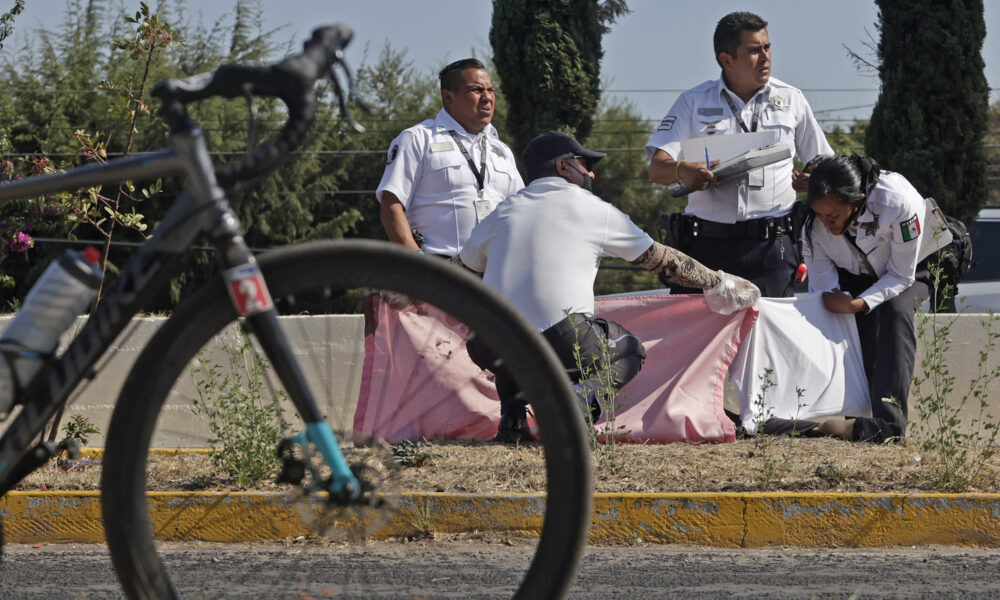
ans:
(65, 290)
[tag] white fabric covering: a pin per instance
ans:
(806, 347)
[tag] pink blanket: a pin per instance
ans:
(419, 382)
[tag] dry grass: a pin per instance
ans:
(815, 464)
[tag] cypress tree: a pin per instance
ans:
(547, 54)
(931, 114)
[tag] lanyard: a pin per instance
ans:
(480, 173)
(739, 117)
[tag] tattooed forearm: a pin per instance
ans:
(677, 267)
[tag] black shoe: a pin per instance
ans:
(513, 430)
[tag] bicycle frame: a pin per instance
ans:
(202, 209)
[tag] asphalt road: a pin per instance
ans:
(475, 570)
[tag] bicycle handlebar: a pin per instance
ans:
(292, 81)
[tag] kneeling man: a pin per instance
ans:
(541, 249)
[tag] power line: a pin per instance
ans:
(605, 91)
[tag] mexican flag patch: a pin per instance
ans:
(910, 228)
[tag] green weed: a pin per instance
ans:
(79, 428)
(596, 378)
(246, 423)
(962, 448)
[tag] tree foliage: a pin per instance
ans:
(7, 20)
(74, 94)
(547, 54)
(930, 118)
(622, 180)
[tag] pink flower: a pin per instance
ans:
(21, 242)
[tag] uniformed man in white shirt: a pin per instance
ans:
(446, 174)
(541, 249)
(743, 226)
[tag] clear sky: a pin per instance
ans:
(662, 47)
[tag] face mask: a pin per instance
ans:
(588, 181)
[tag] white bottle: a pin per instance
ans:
(65, 290)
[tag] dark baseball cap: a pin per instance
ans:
(550, 145)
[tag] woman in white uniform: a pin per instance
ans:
(861, 246)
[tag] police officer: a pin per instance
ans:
(862, 245)
(446, 174)
(743, 226)
(541, 249)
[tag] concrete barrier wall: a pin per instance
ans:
(331, 349)
(332, 352)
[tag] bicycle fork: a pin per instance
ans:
(251, 299)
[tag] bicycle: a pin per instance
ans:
(316, 462)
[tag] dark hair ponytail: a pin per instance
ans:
(869, 170)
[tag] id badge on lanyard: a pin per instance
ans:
(482, 204)
(482, 209)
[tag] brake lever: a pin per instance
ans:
(353, 89)
(352, 93)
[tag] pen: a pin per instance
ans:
(708, 165)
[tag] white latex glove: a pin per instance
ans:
(731, 294)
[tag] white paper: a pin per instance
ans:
(724, 147)
(814, 357)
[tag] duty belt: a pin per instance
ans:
(691, 227)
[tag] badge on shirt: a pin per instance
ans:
(779, 103)
(442, 146)
(392, 154)
(499, 151)
(710, 126)
(756, 177)
(869, 227)
(710, 112)
(910, 228)
(667, 123)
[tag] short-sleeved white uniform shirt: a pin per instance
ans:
(541, 248)
(431, 177)
(887, 237)
(703, 111)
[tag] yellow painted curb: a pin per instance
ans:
(726, 520)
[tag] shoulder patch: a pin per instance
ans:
(667, 122)
(910, 228)
(499, 151)
(393, 152)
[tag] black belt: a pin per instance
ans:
(755, 229)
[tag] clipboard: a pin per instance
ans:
(739, 165)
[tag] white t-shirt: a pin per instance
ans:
(431, 177)
(703, 111)
(541, 248)
(888, 232)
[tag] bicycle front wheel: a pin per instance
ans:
(177, 387)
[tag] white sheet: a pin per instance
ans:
(808, 348)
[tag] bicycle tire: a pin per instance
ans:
(295, 270)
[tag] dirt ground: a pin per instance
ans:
(767, 464)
